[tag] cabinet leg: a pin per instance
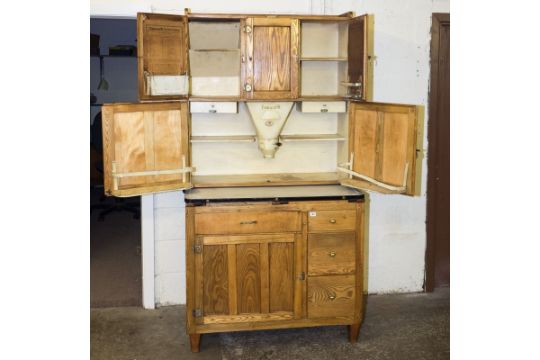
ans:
(354, 330)
(195, 341)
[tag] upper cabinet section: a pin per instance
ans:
(162, 54)
(214, 58)
(270, 58)
(252, 57)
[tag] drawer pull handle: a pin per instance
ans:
(332, 221)
(248, 222)
(332, 254)
(332, 297)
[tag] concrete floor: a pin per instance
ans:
(411, 326)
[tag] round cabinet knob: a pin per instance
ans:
(332, 254)
(332, 297)
(247, 87)
(332, 221)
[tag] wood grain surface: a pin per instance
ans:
(330, 296)
(248, 278)
(216, 288)
(332, 253)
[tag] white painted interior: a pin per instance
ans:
(397, 233)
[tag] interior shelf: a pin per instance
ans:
(312, 137)
(215, 50)
(311, 58)
(223, 138)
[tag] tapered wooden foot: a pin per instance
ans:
(195, 341)
(354, 330)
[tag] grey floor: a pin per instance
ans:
(411, 326)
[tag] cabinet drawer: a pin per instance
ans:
(332, 220)
(323, 106)
(213, 107)
(330, 296)
(247, 222)
(331, 253)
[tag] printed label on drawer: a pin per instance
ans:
(312, 213)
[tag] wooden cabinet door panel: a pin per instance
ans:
(246, 278)
(357, 52)
(270, 58)
(382, 147)
(162, 56)
(145, 148)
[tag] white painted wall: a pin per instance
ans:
(397, 231)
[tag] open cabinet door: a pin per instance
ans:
(162, 56)
(270, 58)
(145, 148)
(357, 53)
(382, 148)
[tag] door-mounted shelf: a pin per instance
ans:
(312, 137)
(223, 138)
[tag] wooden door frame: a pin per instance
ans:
(438, 20)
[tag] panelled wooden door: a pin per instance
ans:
(145, 148)
(438, 184)
(357, 52)
(270, 58)
(241, 278)
(382, 147)
(162, 56)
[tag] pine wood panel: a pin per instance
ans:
(332, 220)
(245, 223)
(215, 278)
(142, 138)
(364, 134)
(271, 55)
(281, 262)
(245, 318)
(248, 278)
(248, 239)
(332, 253)
(330, 296)
(383, 139)
(394, 154)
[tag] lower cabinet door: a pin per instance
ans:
(331, 296)
(246, 278)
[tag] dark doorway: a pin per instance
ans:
(115, 226)
(438, 191)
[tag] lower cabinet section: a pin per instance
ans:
(263, 266)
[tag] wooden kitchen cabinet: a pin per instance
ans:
(270, 58)
(260, 264)
(263, 120)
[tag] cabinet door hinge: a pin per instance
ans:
(197, 249)
(197, 312)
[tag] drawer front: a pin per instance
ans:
(247, 222)
(331, 253)
(213, 107)
(323, 106)
(332, 220)
(330, 296)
